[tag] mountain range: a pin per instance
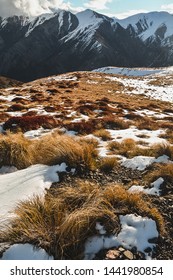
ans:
(61, 42)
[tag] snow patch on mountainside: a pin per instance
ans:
(38, 21)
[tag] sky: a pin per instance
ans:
(116, 8)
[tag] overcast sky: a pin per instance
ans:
(117, 8)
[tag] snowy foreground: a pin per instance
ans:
(19, 185)
(135, 231)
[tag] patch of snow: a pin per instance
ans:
(138, 162)
(87, 18)
(38, 21)
(32, 134)
(26, 183)
(151, 113)
(64, 77)
(135, 232)
(143, 86)
(100, 228)
(15, 114)
(71, 132)
(92, 82)
(154, 190)
(81, 118)
(98, 111)
(142, 162)
(152, 137)
(25, 252)
(8, 97)
(137, 72)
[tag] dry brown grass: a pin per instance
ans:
(107, 164)
(124, 148)
(51, 149)
(16, 150)
(129, 148)
(103, 134)
(63, 221)
(146, 123)
(161, 170)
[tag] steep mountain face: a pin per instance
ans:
(61, 42)
(156, 31)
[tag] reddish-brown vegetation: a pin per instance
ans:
(29, 123)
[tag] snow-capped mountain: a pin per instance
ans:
(54, 43)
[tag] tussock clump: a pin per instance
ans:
(114, 123)
(57, 148)
(146, 123)
(87, 109)
(51, 149)
(84, 127)
(162, 149)
(90, 154)
(161, 170)
(16, 150)
(103, 134)
(63, 221)
(125, 148)
(107, 164)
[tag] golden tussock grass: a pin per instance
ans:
(161, 170)
(124, 147)
(63, 221)
(146, 123)
(51, 149)
(15, 150)
(103, 134)
(130, 148)
(107, 164)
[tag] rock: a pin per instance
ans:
(128, 255)
(112, 254)
(121, 249)
(148, 250)
(153, 240)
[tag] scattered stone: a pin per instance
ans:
(128, 255)
(121, 249)
(148, 250)
(153, 240)
(112, 254)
